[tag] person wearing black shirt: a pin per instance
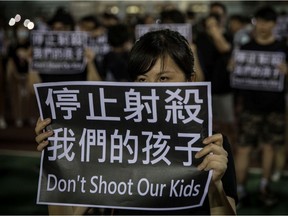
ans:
(214, 47)
(262, 115)
(115, 62)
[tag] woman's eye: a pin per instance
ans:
(141, 80)
(164, 78)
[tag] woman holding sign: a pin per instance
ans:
(165, 56)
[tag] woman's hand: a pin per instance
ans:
(215, 157)
(41, 135)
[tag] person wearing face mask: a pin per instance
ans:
(17, 74)
(165, 56)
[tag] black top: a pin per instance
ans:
(116, 64)
(264, 101)
(214, 63)
(62, 78)
(229, 185)
(22, 65)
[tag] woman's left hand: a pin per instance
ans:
(215, 156)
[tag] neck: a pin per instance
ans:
(265, 40)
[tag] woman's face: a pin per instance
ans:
(165, 70)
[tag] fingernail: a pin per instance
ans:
(196, 155)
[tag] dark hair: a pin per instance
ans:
(91, 18)
(241, 18)
(63, 16)
(160, 44)
(118, 35)
(218, 4)
(107, 15)
(172, 15)
(266, 13)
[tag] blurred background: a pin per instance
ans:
(19, 159)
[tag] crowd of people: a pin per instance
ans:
(251, 119)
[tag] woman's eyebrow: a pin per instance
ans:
(166, 71)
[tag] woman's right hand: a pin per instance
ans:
(41, 135)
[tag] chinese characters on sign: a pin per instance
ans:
(115, 142)
(58, 52)
(257, 70)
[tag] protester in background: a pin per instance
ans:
(262, 115)
(280, 160)
(147, 19)
(172, 16)
(17, 76)
(214, 47)
(236, 24)
(62, 20)
(91, 24)
(165, 56)
(108, 19)
(191, 18)
(97, 37)
(115, 62)
(220, 9)
(240, 28)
